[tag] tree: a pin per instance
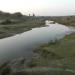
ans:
(33, 15)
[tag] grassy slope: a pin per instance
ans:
(12, 29)
(60, 54)
(66, 20)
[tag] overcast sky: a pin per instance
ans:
(39, 7)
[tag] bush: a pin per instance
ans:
(7, 21)
(6, 71)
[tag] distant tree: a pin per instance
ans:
(29, 14)
(18, 14)
(33, 15)
(68, 18)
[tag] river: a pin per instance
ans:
(21, 45)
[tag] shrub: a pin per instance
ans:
(7, 21)
(6, 71)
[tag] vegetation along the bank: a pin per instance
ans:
(54, 58)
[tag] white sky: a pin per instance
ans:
(39, 7)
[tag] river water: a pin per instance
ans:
(22, 44)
